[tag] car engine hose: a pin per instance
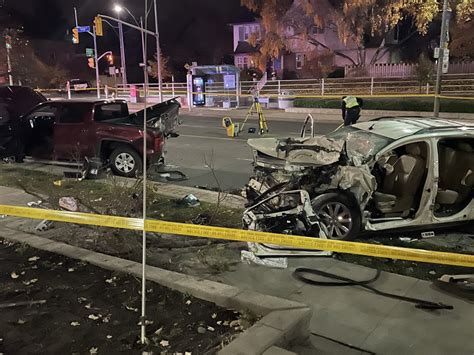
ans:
(302, 272)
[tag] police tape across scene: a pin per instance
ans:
(200, 231)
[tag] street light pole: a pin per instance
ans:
(158, 54)
(9, 62)
(123, 65)
(96, 59)
(442, 47)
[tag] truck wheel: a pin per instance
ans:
(125, 161)
(340, 217)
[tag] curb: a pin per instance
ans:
(178, 191)
(283, 320)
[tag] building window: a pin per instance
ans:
(299, 61)
(242, 62)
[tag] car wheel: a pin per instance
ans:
(338, 215)
(125, 161)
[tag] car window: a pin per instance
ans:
(359, 143)
(106, 112)
(44, 110)
(73, 113)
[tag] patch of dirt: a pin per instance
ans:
(87, 309)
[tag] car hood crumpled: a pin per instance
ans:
(314, 151)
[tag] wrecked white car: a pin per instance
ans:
(389, 173)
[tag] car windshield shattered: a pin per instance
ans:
(361, 146)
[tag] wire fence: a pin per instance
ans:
(216, 93)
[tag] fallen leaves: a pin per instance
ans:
(94, 317)
(32, 281)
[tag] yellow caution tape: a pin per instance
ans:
(299, 242)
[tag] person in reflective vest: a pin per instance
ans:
(351, 106)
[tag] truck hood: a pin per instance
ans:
(163, 116)
(296, 153)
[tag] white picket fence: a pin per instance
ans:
(400, 70)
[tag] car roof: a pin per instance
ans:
(399, 127)
(87, 101)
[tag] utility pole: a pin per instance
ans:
(122, 53)
(8, 45)
(158, 54)
(97, 77)
(443, 45)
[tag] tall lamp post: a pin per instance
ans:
(123, 66)
(158, 54)
(443, 46)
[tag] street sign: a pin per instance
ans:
(445, 66)
(89, 52)
(82, 29)
(229, 81)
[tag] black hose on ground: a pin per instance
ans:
(300, 272)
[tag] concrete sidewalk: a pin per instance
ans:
(360, 318)
(299, 114)
(349, 315)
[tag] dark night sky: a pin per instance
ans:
(190, 30)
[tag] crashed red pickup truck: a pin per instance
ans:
(75, 130)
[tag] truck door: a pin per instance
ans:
(71, 132)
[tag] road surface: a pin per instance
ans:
(203, 142)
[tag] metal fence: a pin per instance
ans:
(218, 95)
(403, 70)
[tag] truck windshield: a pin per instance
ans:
(105, 112)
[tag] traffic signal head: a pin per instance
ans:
(99, 30)
(91, 63)
(75, 36)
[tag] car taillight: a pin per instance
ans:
(159, 143)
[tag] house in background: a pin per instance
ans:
(291, 63)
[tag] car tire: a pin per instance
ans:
(125, 161)
(340, 217)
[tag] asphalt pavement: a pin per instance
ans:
(203, 147)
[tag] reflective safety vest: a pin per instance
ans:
(351, 102)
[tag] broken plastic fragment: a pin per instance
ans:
(14, 275)
(249, 257)
(34, 258)
(75, 324)
(164, 343)
(94, 317)
(214, 315)
(188, 302)
(93, 350)
(109, 336)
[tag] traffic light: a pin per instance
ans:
(75, 36)
(110, 59)
(99, 30)
(91, 63)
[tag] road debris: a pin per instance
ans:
(34, 203)
(164, 343)
(44, 225)
(430, 234)
(33, 258)
(69, 204)
(248, 257)
(23, 303)
(14, 275)
(75, 324)
(201, 219)
(93, 350)
(32, 281)
(201, 330)
(189, 200)
(94, 317)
